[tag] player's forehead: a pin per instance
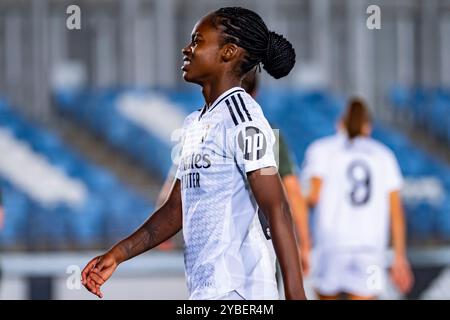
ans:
(204, 27)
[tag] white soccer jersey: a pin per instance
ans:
(357, 177)
(225, 246)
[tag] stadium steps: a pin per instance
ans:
(98, 151)
(421, 137)
(422, 114)
(54, 198)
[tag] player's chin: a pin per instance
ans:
(188, 77)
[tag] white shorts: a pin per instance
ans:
(359, 273)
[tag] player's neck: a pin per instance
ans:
(211, 91)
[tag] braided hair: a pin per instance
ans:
(247, 30)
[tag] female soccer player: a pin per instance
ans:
(288, 177)
(355, 187)
(226, 171)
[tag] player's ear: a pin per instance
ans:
(230, 51)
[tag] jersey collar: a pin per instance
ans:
(222, 97)
(225, 95)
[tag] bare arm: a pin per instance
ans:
(397, 224)
(300, 216)
(270, 196)
(314, 193)
(400, 272)
(163, 224)
(298, 207)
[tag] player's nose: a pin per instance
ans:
(186, 50)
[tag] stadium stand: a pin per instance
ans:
(428, 108)
(54, 198)
(141, 122)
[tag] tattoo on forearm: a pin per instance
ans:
(142, 240)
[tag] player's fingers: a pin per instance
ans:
(87, 282)
(100, 294)
(404, 283)
(96, 289)
(395, 278)
(91, 283)
(400, 283)
(90, 286)
(97, 278)
(99, 290)
(100, 273)
(89, 278)
(395, 272)
(401, 276)
(408, 280)
(88, 268)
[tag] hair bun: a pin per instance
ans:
(280, 56)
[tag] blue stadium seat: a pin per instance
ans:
(443, 221)
(87, 223)
(16, 210)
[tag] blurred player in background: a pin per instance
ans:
(290, 182)
(226, 172)
(355, 185)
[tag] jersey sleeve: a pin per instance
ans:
(252, 145)
(173, 172)
(315, 163)
(178, 171)
(178, 149)
(394, 178)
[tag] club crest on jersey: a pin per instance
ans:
(252, 143)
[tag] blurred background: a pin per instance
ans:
(86, 117)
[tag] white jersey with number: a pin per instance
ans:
(357, 178)
(225, 246)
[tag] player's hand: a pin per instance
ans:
(305, 256)
(97, 272)
(402, 275)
